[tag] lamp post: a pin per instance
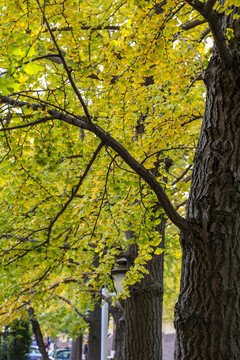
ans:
(104, 325)
(118, 272)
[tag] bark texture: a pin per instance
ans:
(207, 315)
(143, 321)
(76, 348)
(143, 312)
(38, 334)
(94, 337)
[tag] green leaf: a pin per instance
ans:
(33, 68)
(158, 251)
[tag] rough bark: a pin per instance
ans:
(94, 338)
(38, 334)
(143, 312)
(207, 315)
(76, 348)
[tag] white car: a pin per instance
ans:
(35, 350)
(61, 354)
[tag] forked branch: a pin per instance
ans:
(213, 18)
(137, 167)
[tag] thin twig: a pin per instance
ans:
(39, 121)
(182, 175)
(85, 318)
(74, 192)
(65, 66)
(197, 56)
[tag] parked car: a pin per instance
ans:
(34, 350)
(61, 354)
(32, 356)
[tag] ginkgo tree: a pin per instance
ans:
(97, 98)
(133, 214)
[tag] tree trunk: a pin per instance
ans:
(118, 318)
(76, 348)
(143, 312)
(38, 334)
(143, 319)
(207, 314)
(94, 339)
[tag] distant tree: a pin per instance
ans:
(76, 349)
(16, 341)
(38, 333)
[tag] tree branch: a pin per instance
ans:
(74, 192)
(42, 106)
(150, 179)
(20, 238)
(204, 34)
(68, 71)
(182, 175)
(219, 37)
(182, 204)
(39, 121)
(208, 6)
(65, 281)
(193, 118)
(193, 24)
(137, 167)
(197, 56)
(58, 60)
(212, 16)
(85, 318)
(196, 4)
(17, 103)
(88, 27)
